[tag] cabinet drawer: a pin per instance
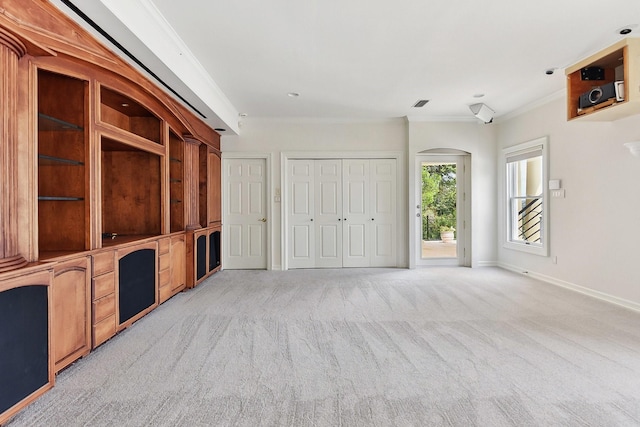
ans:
(164, 278)
(104, 330)
(163, 263)
(163, 245)
(164, 294)
(103, 285)
(103, 308)
(103, 262)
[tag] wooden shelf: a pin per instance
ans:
(620, 62)
(49, 123)
(44, 160)
(60, 199)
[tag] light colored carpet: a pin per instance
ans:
(360, 347)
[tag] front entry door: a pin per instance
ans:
(245, 220)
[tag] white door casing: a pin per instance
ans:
(245, 216)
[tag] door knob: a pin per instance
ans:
(263, 220)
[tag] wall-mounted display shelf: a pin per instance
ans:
(608, 83)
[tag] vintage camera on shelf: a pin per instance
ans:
(600, 94)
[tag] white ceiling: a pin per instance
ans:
(362, 59)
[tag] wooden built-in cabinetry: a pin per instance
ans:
(105, 182)
(71, 294)
(619, 63)
(103, 294)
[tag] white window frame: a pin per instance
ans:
(510, 154)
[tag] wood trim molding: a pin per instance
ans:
(13, 43)
(10, 51)
(191, 199)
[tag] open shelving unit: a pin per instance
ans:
(124, 113)
(131, 192)
(176, 182)
(63, 217)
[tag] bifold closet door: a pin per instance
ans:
(383, 212)
(342, 213)
(315, 207)
(369, 219)
(301, 209)
(356, 220)
(328, 213)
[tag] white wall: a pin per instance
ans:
(479, 140)
(261, 136)
(595, 229)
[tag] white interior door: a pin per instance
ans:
(301, 206)
(382, 207)
(355, 218)
(328, 213)
(245, 220)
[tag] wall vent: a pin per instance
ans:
(421, 103)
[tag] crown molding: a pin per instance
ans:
(535, 104)
(165, 44)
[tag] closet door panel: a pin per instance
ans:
(301, 235)
(356, 221)
(328, 212)
(383, 205)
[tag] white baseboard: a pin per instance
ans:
(486, 264)
(572, 286)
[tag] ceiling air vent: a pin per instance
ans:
(420, 103)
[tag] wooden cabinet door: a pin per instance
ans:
(178, 261)
(71, 296)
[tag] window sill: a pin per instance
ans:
(527, 248)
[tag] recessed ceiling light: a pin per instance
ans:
(243, 114)
(293, 94)
(627, 29)
(478, 95)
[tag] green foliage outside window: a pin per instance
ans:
(438, 199)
